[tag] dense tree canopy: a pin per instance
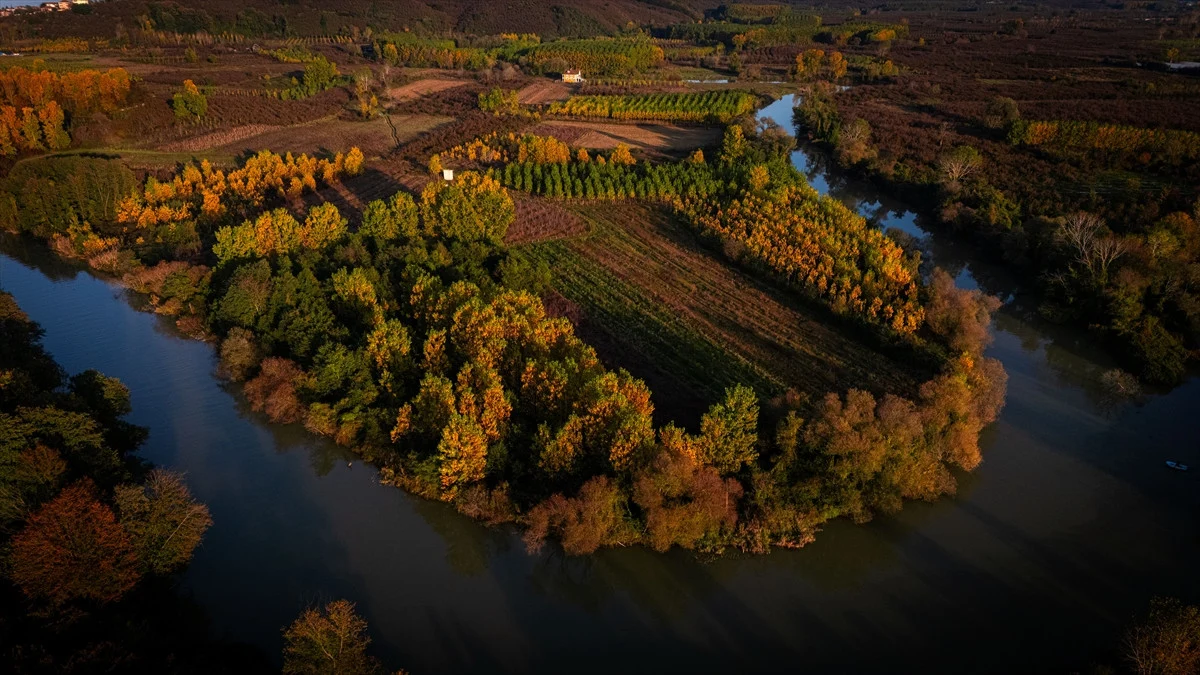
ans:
(82, 522)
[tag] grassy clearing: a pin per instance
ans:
(670, 307)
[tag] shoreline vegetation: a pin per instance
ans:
(412, 338)
(93, 539)
(1125, 272)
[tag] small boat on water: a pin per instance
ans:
(1177, 466)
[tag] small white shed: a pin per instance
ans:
(447, 174)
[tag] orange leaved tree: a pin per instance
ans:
(74, 548)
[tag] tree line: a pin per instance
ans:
(598, 56)
(36, 104)
(709, 106)
(1166, 146)
(413, 52)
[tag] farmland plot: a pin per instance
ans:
(373, 137)
(671, 311)
(423, 88)
(542, 92)
(660, 139)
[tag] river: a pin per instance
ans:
(1067, 529)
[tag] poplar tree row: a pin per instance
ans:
(206, 191)
(35, 105)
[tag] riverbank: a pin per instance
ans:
(1068, 527)
(1103, 247)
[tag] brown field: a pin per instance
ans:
(217, 139)
(543, 91)
(690, 324)
(150, 123)
(541, 220)
(374, 137)
(423, 88)
(657, 139)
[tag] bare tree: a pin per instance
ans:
(959, 163)
(1094, 248)
(1167, 641)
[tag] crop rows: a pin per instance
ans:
(645, 325)
(592, 180)
(642, 278)
(598, 57)
(709, 106)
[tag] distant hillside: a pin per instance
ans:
(321, 17)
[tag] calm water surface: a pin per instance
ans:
(1070, 525)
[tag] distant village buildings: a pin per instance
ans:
(57, 6)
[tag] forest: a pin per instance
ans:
(35, 104)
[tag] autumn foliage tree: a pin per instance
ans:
(73, 548)
(189, 103)
(1166, 641)
(205, 193)
(499, 101)
(685, 503)
(35, 104)
(473, 208)
(327, 641)
(163, 521)
(273, 391)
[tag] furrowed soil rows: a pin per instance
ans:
(373, 137)
(423, 88)
(351, 195)
(219, 138)
(542, 92)
(541, 220)
(705, 325)
(651, 138)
